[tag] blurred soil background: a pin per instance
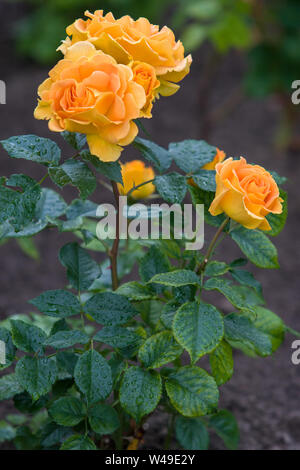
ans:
(263, 393)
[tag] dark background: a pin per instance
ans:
(264, 393)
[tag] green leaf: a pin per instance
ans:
(199, 328)
(78, 442)
(31, 147)
(82, 270)
(77, 174)
(205, 197)
(67, 411)
(240, 296)
(245, 278)
(66, 339)
(103, 419)
(168, 313)
(24, 203)
(9, 386)
(177, 278)
(24, 403)
(53, 434)
(205, 179)
(28, 338)
(109, 309)
(269, 323)
(117, 336)
(172, 187)
(67, 361)
(277, 221)
(36, 375)
(225, 425)
(57, 303)
(75, 139)
(117, 365)
(159, 349)
(140, 392)
(7, 432)
(256, 246)
(78, 208)
(135, 291)
(192, 391)
(93, 376)
(112, 170)
(241, 333)
(10, 350)
(191, 433)
(216, 268)
(156, 155)
(221, 363)
(154, 262)
(29, 247)
(191, 155)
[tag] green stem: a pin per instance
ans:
(211, 247)
(115, 248)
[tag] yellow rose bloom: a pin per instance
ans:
(90, 93)
(129, 41)
(144, 74)
(246, 193)
(133, 174)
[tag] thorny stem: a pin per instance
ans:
(212, 245)
(134, 188)
(113, 254)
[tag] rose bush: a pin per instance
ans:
(98, 357)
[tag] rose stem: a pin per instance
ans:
(114, 251)
(211, 247)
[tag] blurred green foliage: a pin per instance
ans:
(269, 32)
(274, 61)
(226, 23)
(39, 34)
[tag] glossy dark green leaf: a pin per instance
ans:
(93, 376)
(191, 433)
(67, 411)
(140, 392)
(159, 349)
(256, 246)
(172, 187)
(57, 303)
(66, 339)
(156, 155)
(103, 419)
(192, 391)
(82, 270)
(28, 338)
(31, 147)
(199, 328)
(191, 155)
(76, 173)
(36, 375)
(225, 425)
(221, 363)
(109, 309)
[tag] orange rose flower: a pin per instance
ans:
(144, 74)
(88, 92)
(246, 193)
(219, 157)
(135, 173)
(128, 40)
